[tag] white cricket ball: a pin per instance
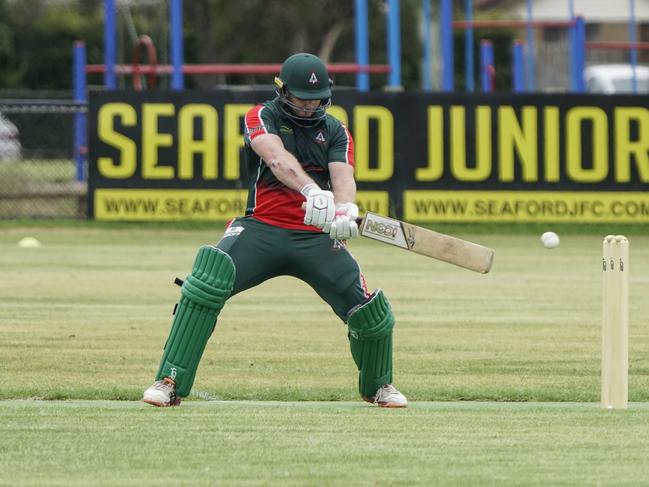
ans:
(550, 240)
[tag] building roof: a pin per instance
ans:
(591, 10)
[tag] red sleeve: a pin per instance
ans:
(342, 147)
(350, 148)
(257, 123)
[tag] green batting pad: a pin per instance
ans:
(203, 295)
(370, 337)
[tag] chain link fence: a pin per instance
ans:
(39, 174)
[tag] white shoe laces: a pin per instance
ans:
(166, 386)
(384, 392)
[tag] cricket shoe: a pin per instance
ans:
(162, 393)
(388, 397)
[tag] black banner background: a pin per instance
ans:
(409, 112)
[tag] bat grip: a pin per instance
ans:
(359, 220)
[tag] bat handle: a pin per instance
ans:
(359, 220)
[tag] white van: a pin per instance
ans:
(10, 149)
(616, 78)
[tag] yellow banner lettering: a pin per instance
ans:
(125, 166)
(625, 148)
(152, 140)
(551, 144)
(574, 167)
(339, 112)
(459, 165)
(522, 139)
(233, 139)
(385, 137)
(189, 145)
(435, 168)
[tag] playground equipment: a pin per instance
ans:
(573, 63)
(177, 69)
(526, 52)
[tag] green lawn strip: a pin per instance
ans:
(333, 443)
(461, 229)
(86, 315)
(29, 174)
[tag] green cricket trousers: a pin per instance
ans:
(261, 251)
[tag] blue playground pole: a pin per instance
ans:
(427, 81)
(518, 57)
(573, 46)
(468, 46)
(531, 58)
(487, 69)
(446, 41)
(394, 43)
(577, 55)
(574, 75)
(110, 43)
(579, 60)
(634, 50)
(176, 40)
(79, 81)
(362, 43)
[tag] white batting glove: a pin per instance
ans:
(344, 225)
(320, 206)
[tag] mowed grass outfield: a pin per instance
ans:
(502, 370)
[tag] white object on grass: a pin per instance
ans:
(550, 240)
(28, 243)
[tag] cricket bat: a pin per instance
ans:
(426, 242)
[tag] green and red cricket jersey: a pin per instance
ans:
(269, 200)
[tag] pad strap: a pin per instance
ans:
(203, 295)
(370, 337)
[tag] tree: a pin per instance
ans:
(36, 40)
(257, 31)
(36, 36)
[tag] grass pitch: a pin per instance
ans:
(85, 316)
(314, 443)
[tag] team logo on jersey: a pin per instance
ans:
(250, 131)
(233, 231)
(320, 138)
(313, 79)
(286, 129)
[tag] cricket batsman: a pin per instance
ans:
(300, 212)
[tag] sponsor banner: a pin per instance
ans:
(530, 206)
(582, 148)
(168, 204)
(201, 204)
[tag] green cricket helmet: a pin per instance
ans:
(304, 76)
